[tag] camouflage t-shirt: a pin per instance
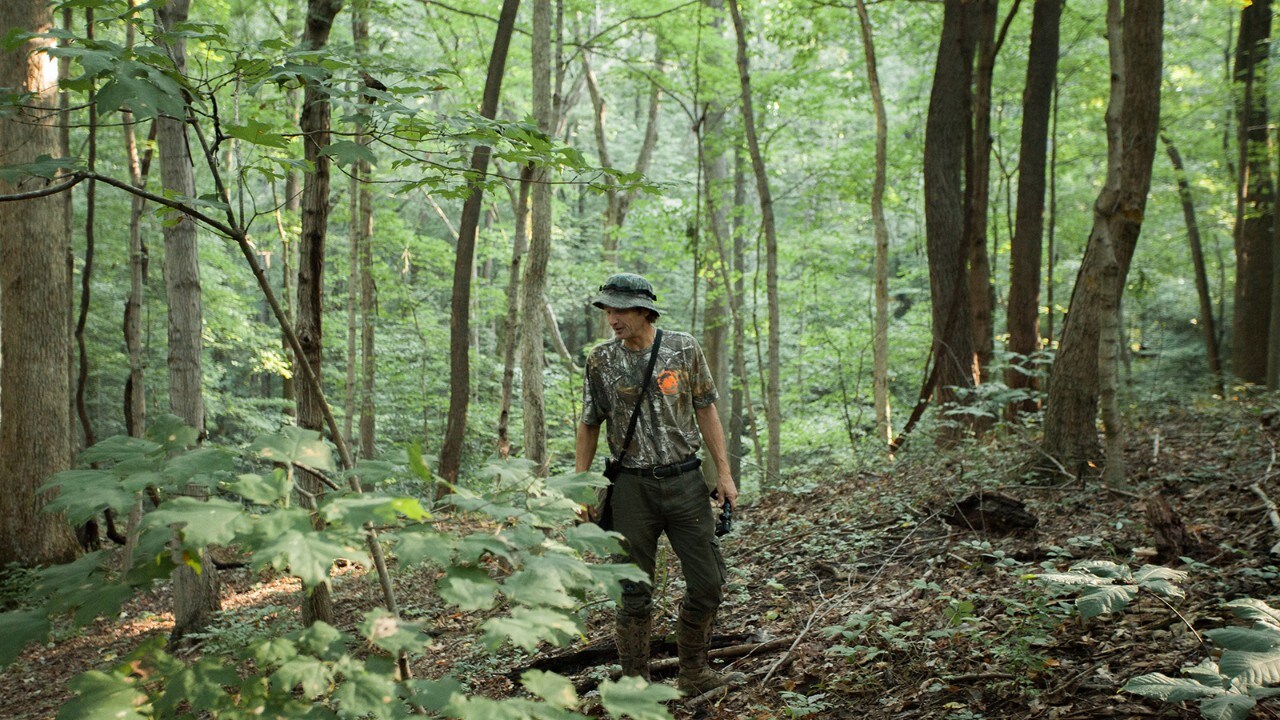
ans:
(667, 430)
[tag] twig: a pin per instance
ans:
(1273, 513)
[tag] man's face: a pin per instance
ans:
(628, 324)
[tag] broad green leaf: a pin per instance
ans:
(82, 494)
(258, 133)
(555, 689)
(346, 152)
(262, 490)
(434, 695)
(469, 588)
(420, 543)
(1251, 668)
(526, 627)
(1072, 579)
(579, 487)
(101, 602)
(418, 463)
(45, 166)
(322, 640)
(609, 577)
(540, 585)
(475, 546)
(118, 448)
(172, 434)
(1251, 609)
(1229, 706)
(308, 673)
(277, 522)
(1163, 687)
(373, 472)
(481, 708)
(308, 555)
(637, 699)
(272, 651)
(103, 696)
(200, 684)
(201, 466)
(1207, 673)
(1260, 638)
(1097, 601)
(365, 694)
(297, 446)
(18, 629)
(356, 510)
(1104, 568)
(204, 522)
(589, 538)
(392, 634)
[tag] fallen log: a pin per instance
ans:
(603, 652)
(991, 512)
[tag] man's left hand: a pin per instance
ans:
(727, 490)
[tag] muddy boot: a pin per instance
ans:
(693, 631)
(632, 637)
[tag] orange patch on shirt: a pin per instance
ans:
(669, 382)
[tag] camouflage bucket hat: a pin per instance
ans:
(626, 290)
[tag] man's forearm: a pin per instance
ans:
(584, 447)
(713, 437)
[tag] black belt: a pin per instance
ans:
(666, 471)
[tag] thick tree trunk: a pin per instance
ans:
(1070, 434)
(981, 23)
(35, 394)
(1208, 324)
(195, 594)
(314, 124)
(946, 128)
(880, 340)
(532, 355)
(772, 408)
(1255, 213)
(1028, 235)
(460, 301)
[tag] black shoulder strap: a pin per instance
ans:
(635, 412)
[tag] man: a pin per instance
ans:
(660, 488)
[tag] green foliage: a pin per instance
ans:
(1227, 688)
(527, 564)
(1107, 587)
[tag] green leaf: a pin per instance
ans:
(373, 472)
(637, 699)
(199, 466)
(475, 546)
(263, 490)
(272, 651)
(101, 602)
(308, 555)
(418, 463)
(1257, 610)
(589, 538)
(172, 434)
(308, 673)
(118, 448)
(102, 696)
(469, 588)
(609, 577)
(391, 633)
(322, 640)
(1256, 639)
(1113, 598)
(18, 629)
(1206, 673)
(420, 543)
(346, 152)
(364, 694)
(1163, 687)
(555, 689)
(579, 487)
(545, 581)
(1104, 569)
(1251, 668)
(258, 133)
(356, 510)
(204, 522)
(526, 627)
(82, 494)
(297, 446)
(44, 167)
(200, 684)
(1229, 706)
(435, 695)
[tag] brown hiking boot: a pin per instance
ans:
(632, 637)
(693, 631)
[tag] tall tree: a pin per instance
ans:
(1070, 431)
(363, 225)
(314, 124)
(980, 21)
(532, 356)
(1028, 235)
(195, 593)
(946, 128)
(35, 392)
(880, 341)
(772, 405)
(1255, 196)
(464, 261)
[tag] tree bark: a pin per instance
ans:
(35, 394)
(773, 411)
(1208, 324)
(368, 289)
(880, 341)
(946, 128)
(511, 327)
(1070, 434)
(1255, 198)
(981, 24)
(460, 301)
(314, 124)
(1028, 235)
(532, 355)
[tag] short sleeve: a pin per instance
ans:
(595, 407)
(703, 384)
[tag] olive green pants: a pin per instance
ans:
(646, 507)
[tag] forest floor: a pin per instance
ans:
(853, 596)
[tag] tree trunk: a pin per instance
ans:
(946, 128)
(314, 124)
(195, 594)
(773, 411)
(1208, 324)
(1028, 236)
(981, 24)
(460, 301)
(1255, 213)
(368, 290)
(1070, 433)
(880, 340)
(511, 327)
(35, 394)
